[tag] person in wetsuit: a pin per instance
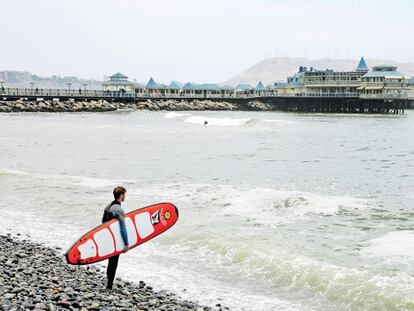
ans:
(114, 210)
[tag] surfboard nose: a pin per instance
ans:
(176, 211)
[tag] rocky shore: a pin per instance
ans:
(103, 105)
(36, 277)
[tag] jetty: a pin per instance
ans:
(314, 102)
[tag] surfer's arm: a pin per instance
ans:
(104, 218)
(119, 213)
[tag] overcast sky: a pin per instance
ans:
(195, 40)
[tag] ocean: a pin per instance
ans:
(278, 211)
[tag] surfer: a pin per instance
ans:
(114, 210)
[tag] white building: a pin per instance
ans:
(383, 82)
(118, 82)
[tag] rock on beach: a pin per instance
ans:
(36, 277)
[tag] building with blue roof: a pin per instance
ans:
(244, 87)
(118, 82)
(362, 66)
(174, 86)
(203, 90)
(260, 86)
(329, 82)
(151, 84)
(384, 81)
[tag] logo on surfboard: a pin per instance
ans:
(160, 216)
(167, 215)
(155, 218)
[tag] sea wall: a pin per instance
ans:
(103, 105)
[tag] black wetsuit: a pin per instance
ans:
(114, 210)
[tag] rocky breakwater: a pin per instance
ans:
(103, 105)
(35, 277)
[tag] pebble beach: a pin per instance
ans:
(36, 277)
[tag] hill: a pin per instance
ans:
(23, 79)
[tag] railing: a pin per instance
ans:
(330, 95)
(333, 83)
(383, 96)
(62, 93)
(384, 84)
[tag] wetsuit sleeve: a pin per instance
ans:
(104, 217)
(119, 213)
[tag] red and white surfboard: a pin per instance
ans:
(106, 241)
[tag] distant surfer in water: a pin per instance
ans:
(114, 210)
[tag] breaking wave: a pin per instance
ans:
(217, 121)
(91, 182)
(172, 115)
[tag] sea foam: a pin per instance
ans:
(173, 115)
(217, 121)
(91, 182)
(395, 244)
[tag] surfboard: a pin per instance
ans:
(106, 241)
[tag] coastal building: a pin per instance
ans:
(206, 90)
(331, 83)
(173, 89)
(383, 81)
(380, 82)
(362, 66)
(296, 83)
(153, 88)
(118, 82)
(260, 88)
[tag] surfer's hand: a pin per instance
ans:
(126, 248)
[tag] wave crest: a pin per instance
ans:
(217, 121)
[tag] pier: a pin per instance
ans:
(294, 102)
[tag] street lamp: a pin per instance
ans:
(69, 84)
(85, 85)
(31, 86)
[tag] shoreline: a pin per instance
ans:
(21, 105)
(36, 277)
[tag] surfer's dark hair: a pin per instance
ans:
(118, 191)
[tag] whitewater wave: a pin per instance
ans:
(91, 182)
(265, 205)
(281, 122)
(393, 244)
(217, 121)
(6, 171)
(172, 115)
(278, 269)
